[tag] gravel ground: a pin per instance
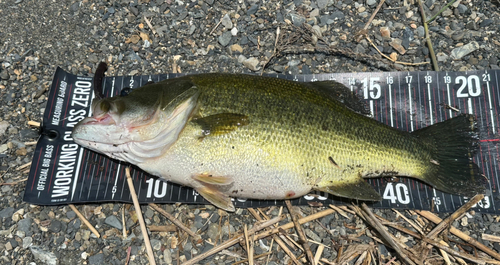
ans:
(203, 36)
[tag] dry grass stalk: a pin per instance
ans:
(162, 228)
(435, 219)
(303, 220)
(439, 245)
(459, 254)
(217, 25)
(137, 207)
(368, 216)
(427, 37)
(319, 252)
(346, 209)
(491, 238)
(324, 260)
(257, 227)
(256, 257)
(84, 220)
(373, 15)
(444, 254)
(124, 226)
(149, 25)
(174, 220)
(420, 221)
(34, 123)
(276, 238)
(339, 211)
(231, 254)
(352, 252)
(23, 166)
(447, 222)
(247, 244)
(361, 258)
(391, 261)
(300, 232)
(14, 183)
(409, 221)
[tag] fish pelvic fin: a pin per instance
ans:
(358, 190)
(216, 197)
(450, 167)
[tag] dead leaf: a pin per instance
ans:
(133, 39)
(174, 242)
(394, 56)
(144, 36)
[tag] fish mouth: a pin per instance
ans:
(104, 120)
(102, 129)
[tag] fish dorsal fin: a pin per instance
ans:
(342, 94)
(221, 123)
(358, 189)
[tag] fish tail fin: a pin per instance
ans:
(452, 144)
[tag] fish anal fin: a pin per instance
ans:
(358, 190)
(213, 180)
(221, 123)
(216, 197)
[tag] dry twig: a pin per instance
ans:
(34, 123)
(300, 232)
(373, 15)
(370, 218)
(84, 220)
(277, 239)
(435, 219)
(319, 252)
(491, 238)
(162, 228)
(340, 211)
(290, 225)
(427, 37)
(234, 240)
(249, 248)
(174, 220)
(23, 166)
(449, 220)
(149, 25)
(256, 257)
(124, 225)
(13, 183)
(216, 26)
(137, 207)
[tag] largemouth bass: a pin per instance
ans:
(233, 135)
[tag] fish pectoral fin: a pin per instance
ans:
(209, 179)
(358, 190)
(217, 198)
(221, 123)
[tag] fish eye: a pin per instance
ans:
(125, 91)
